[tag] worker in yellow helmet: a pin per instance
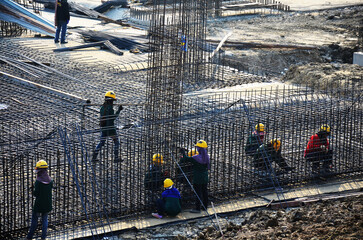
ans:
(43, 199)
(318, 152)
(170, 202)
(201, 165)
(154, 177)
(107, 124)
(268, 153)
(255, 140)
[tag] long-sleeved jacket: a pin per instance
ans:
(154, 178)
(172, 200)
(61, 11)
(200, 171)
(265, 153)
(253, 142)
(43, 197)
(315, 145)
(107, 120)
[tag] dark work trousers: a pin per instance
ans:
(160, 205)
(202, 191)
(320, 158)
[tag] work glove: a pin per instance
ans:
(182, 151)
(324, 148)
(120, 108)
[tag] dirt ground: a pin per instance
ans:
(332, 33)
(329, 219)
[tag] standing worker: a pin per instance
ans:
(318, 151)
(268, 153)
(169, 204)
(61, 19)
(43, 199)
(107, 124)
(201, 165)
(255, 140)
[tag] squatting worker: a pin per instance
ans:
(268, 153)
(255, 140)
(155, 176)
(61, 19)
(43, 199)
(318, 151)
(201, 165)
(170, 202)
(107, 124)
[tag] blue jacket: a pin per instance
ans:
(171, 199)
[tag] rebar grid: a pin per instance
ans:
(291, 114)
(38, 124)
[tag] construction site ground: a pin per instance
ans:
(333, 34)
(262, 207)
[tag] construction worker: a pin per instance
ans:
(255, 140)
(61, 19)
(268, 153)
(183, 184)
(43, 199)
(318, 151)
(170, 202)
(107, 124)
(153, 180)
(201, 165)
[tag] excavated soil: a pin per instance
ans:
(334, 35)
(330, 219)
(325, 74)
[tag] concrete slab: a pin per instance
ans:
(310, 5)
(358, 58)
(260, 200)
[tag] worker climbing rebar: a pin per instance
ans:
(107, 124)
(318, 151)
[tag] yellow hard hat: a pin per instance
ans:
(158, 158)
(110, 94)
(202, 144)
(260, 127)
(276, 143)
(168, 183)
(193, 152)
(325, 128)
(41, 164)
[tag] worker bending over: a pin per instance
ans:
(268, 153)
(318, 152)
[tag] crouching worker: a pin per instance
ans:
(153, 180)
(170, 202)
(255, 140)
(318, 152)
(268, 153)
(43, 199)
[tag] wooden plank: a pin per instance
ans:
(113, 48)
